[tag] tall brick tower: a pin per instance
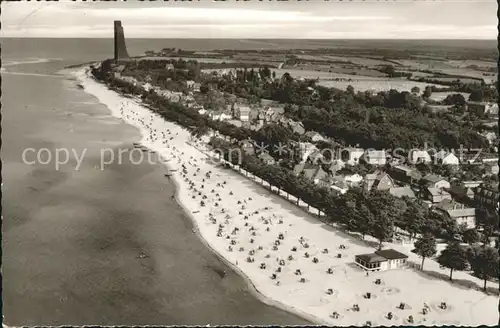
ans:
(120, 47)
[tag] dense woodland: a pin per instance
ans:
(387, 120)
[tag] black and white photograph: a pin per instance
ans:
(250, 163)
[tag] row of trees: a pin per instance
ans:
(375, 213)
(482, 260)
(479, 91)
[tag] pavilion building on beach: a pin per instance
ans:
(382, 260)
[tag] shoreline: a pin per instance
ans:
(252, 288)
(250, 285)
(258, 286)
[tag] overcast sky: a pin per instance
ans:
(399, 19)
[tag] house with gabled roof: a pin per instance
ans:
(315, 136)
(457, 211)
(403, 174)
(446, 158)
(315, 173)
(297, 127)
(266, 158)
(435, 181)
(339, 185)
(435, 195)
(378, 181)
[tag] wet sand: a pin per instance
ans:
(72, 240)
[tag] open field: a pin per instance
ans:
(452, 67)
(416, 74)
(359, 82)
(337, 68)
(451, 79)
(440, 96)
(362, 61)
(479, 63)
(312, 74)
(375, 85)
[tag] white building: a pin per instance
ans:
(446, 158)
(375, 157)
(219, 117)
(353, 180)
(386, 259)
(244, 113)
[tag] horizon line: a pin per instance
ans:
(234, 38)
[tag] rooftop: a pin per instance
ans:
(433, 178)
(402, 191)
(462, 212)
(265, 156)
(404, 168)
(371, 258)
(391, 254)
(448, 204)
(382, 256)
(437, 191)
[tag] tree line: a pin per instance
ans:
(482, 260)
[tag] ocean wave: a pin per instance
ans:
(30, 61)
(30, 74)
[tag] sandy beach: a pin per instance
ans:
(291, 258)
(90, 247)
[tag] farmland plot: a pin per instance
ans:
(375, 85)
(311, 74)
(440, 96)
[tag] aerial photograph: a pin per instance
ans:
(250, 163)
